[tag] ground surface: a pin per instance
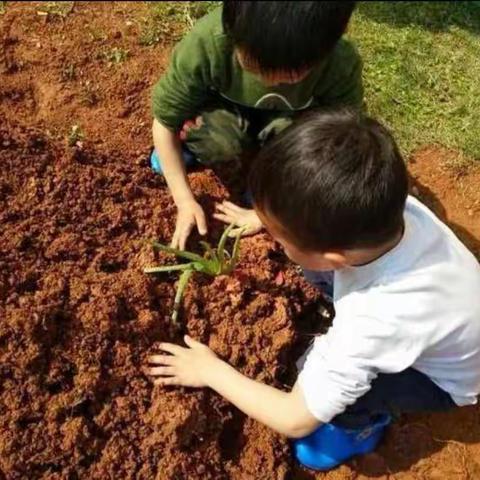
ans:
(78, 316)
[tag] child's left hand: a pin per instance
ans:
(245, 219)
(188, 367)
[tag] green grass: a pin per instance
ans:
(56, 9)
(170, 20)
(421, 65)
(422, 70)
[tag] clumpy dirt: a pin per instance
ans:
(78, 316)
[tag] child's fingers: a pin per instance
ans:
(174, 242)
(223, 218)
(191, 342)
(201, 223)
(221, 207)
(182, 239)
(161, 359)
(161, 371)
(232, 206)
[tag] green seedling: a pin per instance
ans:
(215, 261)
(75, 135)
(116, 55)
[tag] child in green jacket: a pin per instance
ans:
(236, 80)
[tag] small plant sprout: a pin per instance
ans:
(215, 261)
(116, 55)
(75, 135)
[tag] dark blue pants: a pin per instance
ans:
(393, 394)
(405, 392)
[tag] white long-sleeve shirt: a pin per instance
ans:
(416, 306)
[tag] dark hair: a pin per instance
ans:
(332, 180)
(286, 35)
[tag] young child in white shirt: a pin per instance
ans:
(332, 190)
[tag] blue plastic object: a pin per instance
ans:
(330, 445)
(188, 158)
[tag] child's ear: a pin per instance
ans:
(337, 259)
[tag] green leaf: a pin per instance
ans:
(182, 284)
(202, 266)
(179, 253)
(221, 246)
(168, 268)
(236, 250)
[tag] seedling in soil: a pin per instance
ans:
(75, 135)
(115, 56)
(215, 261)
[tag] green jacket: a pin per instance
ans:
(203, 70)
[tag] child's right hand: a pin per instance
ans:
(190, 213)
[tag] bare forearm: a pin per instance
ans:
(170, 151)
(284, 412)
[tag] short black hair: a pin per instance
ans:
(333, 181)
(289, 36)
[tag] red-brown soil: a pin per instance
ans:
(78, 316)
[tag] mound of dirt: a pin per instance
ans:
(79, 317)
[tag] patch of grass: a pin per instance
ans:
(168, 21)
(56, 9)
(2, 7)
(421, 70)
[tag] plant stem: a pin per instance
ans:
(235, 252)
(221, 247)
(182, 283)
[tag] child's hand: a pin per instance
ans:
(245, 219)
(190, 125)
(188, 367)
(190, 213)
